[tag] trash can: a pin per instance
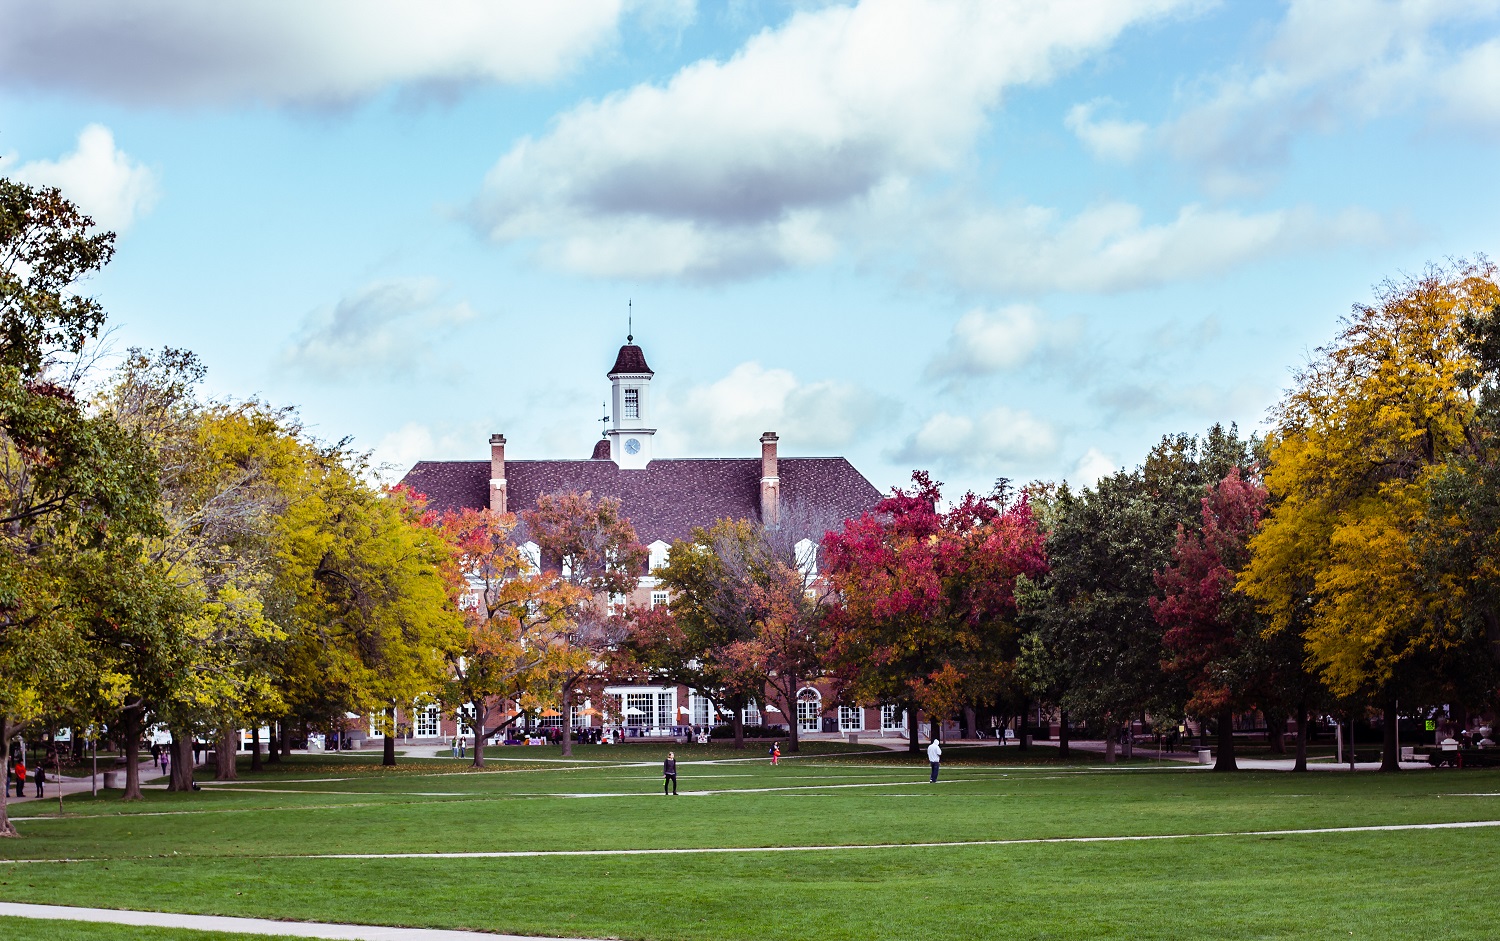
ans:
(853, 738)
(1205, 756)
(111, 779)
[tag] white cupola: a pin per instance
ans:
(629, 430)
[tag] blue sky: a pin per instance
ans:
(988, 239)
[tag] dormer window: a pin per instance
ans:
(632, 403)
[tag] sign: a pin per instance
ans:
(1010, 733)
(1431, 725)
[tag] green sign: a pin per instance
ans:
(1431, 725)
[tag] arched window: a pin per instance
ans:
(809, 709)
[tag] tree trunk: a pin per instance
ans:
(388, 756)
(228, 748)
(274, 733)
(1276, 732)
(130, 741)
(1300, 764)
(481, 713)
(6, 827)
(970, 722)
(794, 727)
(255, 765)
(1062, 734)
(286, 738)
(913, 731)
(567, 719)
(181, 776)
(1110, 735)
(739, 724)
(1390, 758)
(1225, 759)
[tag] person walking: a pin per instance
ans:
(935, 758)
(40, 777)
(166, 761)
(20, 777)
(669, 774)
(775, 754)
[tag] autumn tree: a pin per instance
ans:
(925, 598)
(1372, 428)
(514, 614)
(594, 548)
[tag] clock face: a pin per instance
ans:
(632, 446)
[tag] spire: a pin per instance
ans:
(629, 321)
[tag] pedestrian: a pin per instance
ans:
(463, 746)
(166, 761)
(20, 777)
(669, 774)
(935, 758)
(39, 776)
(775, 754)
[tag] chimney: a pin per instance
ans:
(770, 482)
(497, 473)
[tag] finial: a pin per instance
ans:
(629, 321)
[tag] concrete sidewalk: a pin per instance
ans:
(262, 926)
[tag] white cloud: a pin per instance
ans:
(1106, 139)
(192, 52)
(1335, 61)
(731, 168)
(1110, 247)
(398, 450)
(728, 416)
(1000, 434)
(984, 342)
(98, 177)
(385, 328)
(1093, 465)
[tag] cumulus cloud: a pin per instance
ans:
(1001, 434)
(99, 177)
(1111, 247)
(1332, 62)
(985, 342)
(732, 167)
(190, 52)
(1106, 138)
(385, 328)
(1093, 465)
(729, 414)
(398, 450)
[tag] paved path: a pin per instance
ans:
(81, 785)
(295, 929)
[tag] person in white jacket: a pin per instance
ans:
(935, 756)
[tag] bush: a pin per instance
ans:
(751, 731)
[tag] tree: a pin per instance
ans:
(513, 615)
(1368, 430)
(1214, 636)
(923, 596)
(595, 549)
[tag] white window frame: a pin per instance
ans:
(375, 730)
(427, 721)
(809, 720)
(851, 719)
(660, 598)
(889, 716)
(632, 403)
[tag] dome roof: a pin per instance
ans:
(601, 450)
(631, 360)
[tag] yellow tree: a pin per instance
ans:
(1359, 439)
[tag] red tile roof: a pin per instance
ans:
(668, 498)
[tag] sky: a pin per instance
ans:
(987, 239)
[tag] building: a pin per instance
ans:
(665, 499)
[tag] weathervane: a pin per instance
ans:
(604, 408)
(629, 321)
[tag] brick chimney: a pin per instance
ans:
(770, 481)
(497, 473)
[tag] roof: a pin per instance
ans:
(631, 360)
(668, 498)
(601, 450)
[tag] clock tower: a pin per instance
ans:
(629, 433)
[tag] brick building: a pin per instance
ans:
(665, 499)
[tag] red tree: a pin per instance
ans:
(925, 599)
(1213, 635)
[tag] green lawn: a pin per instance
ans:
(245, 849)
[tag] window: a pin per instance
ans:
(465, 719)
(659, 599)
(425, 721)
(809, 710)
(632, 403)
(851, 719)
(752, 713)
(640, 708)
(580, 718)
(892, 718)
(700, 709)
(378, 722)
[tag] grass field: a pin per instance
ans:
(820, 847)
